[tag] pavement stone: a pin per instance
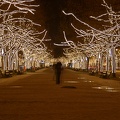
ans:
(79, 96)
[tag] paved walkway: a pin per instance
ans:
(35, 96)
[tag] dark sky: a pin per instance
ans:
(50, 16)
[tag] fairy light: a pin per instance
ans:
(98, 41)
(19, 4)
(18, 34)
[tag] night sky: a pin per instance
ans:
(49, 15)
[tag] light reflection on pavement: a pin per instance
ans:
(107, 88)
(71, 81)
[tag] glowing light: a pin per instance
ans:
(19, 34)
(95, 41)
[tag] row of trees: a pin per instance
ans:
(19, 38)
(96, 42)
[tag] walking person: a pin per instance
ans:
(58, 69)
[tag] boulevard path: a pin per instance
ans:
(36, 96)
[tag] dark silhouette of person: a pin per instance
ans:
(58, 69)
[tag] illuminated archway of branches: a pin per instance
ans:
(98, 42)
(18, 33)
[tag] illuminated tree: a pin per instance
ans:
(18, 33)
(100, 42)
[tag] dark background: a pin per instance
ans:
(49, 15)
